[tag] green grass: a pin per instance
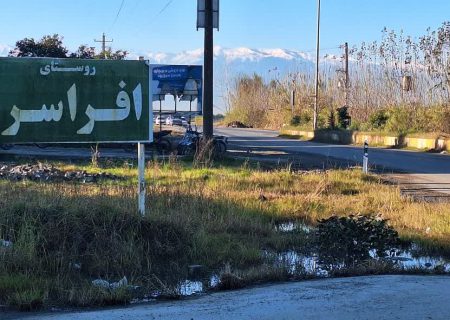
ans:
(219, 216)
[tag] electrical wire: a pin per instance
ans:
(117, 15)
(163, 9)
(136, 4)
(153, 19)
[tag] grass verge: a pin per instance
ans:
(65, 235)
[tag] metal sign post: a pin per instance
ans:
(141, 178)
(366, 157)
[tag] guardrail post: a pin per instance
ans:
(366, 157)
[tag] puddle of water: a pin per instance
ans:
(188, 288)
(292, 226)
(408, 261)
(307, 264)
(214, 281)
(300, 263)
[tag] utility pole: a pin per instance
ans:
(316, 91)
(347, 79)
(208, 72)
(104, 41)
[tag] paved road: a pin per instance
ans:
(424, 169)
(375, 297)
(407, 161)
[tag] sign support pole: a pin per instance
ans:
(141, 178)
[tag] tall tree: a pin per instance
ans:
(52, 46)
(85, 52)
(47, 46)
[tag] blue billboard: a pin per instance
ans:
(184, 82)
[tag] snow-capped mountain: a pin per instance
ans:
(4, 50)
(242, 60)
(229, 62)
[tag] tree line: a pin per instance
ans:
(52, 46)
(376, 98)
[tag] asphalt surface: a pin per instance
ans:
(373, 297)
(399, 160)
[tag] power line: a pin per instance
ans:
(163, 9)
(153, 19)
(118, 14)
(136, 4)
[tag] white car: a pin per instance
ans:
(172, 121)
(159, 120)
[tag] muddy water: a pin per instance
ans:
(190, 287)
(293, 226)
(297, 263)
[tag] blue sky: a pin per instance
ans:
(288, 24)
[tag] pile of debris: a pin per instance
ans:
(44, 172)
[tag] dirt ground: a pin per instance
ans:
(370, 297)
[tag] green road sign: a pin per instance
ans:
(73, 100)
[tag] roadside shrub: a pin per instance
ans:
(296, 120)
(400, 120)
(355, 125)
(303, 119)
(348, 241)
(378, 119)
(432, 119)
(343, 117)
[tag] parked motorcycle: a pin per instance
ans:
(190, 142)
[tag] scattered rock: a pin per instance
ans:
(114, 285)
(101, 283)
(43, 172)
(121, 283)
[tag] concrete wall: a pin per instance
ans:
(355, 137)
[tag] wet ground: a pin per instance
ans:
(374, 297)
